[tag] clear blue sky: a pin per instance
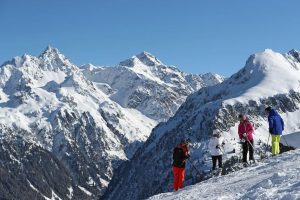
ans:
(197, 36)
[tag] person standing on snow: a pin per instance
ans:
(245, 132)
(215, 145)
(276, 126)
(180, 155)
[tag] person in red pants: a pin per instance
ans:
(180, 154)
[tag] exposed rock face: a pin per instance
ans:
(30, 172)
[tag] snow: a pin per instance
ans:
(54, 196)
(70, 195)
(34, 90)
(34, 188)
(268, 79)
(275, 178)
(146, 84)
(265, 74)
(91, 181)
(55, 84)
(104, 182)
(292, 139)
(85, 190)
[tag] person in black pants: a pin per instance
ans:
(216, 159)
(245, 132)
(248, 146)
(215, 145)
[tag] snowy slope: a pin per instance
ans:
(276, 178)
(46, 101)
(146, 84)
(267, 79)
(264, 75)
(292, 139)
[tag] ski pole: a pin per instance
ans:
(253, 146)
(194, 167)
(221, 150)
(250, 143)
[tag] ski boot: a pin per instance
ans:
(219, 172)
(214, 172)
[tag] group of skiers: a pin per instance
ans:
(217, 142)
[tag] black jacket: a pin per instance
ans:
(180, 154)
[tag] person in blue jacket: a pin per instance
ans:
(276, 126)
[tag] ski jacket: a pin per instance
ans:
(215, 146)
(180, 154)
(246, 127)
(276, 124)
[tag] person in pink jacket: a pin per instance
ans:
(246, 136)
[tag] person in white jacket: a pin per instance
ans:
(215, 145)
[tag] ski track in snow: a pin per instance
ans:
(275, 178)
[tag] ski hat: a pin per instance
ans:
(268, 109)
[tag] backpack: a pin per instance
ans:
(179, 157)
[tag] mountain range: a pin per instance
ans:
(267, 79)
(66, 129)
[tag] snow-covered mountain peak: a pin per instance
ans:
(293, 51)
(89, 67)
(144, 83)
(148, 59)
(50, 51)
(212, 79)
(264, 74)
(51, 58)
(295, 54)
(142, 59)
(51, 103)
(91, 118)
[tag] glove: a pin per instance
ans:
(243, 141)
(245, 135)
(218, 146)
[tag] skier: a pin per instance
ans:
(276, 126)
(180, 155)
(215, 145)
(245, 132)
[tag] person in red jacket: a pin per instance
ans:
(180, 155)
(245, 134)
